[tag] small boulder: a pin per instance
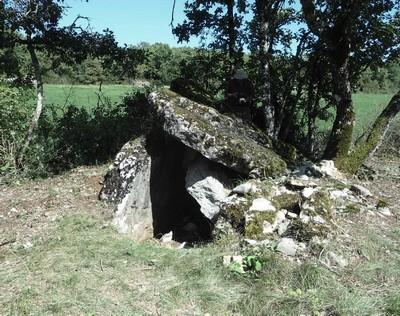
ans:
(262, 205)
(287, 246)
(336, 260)
(206, 185)
(249, 187)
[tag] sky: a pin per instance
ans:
(132, 21)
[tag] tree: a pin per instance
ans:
(353, 35)
(264, 27)
(222, 19)
(352, 162)
(35, 25)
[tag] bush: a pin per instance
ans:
(85, 137)
(77, 136)
(15, 114)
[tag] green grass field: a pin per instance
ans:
(367, 106)
(83, 95)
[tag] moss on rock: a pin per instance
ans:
(287, 201)
(304, 232)
(255, 224)
(218, 137)
(235, 212)
(322, 203)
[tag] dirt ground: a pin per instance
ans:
(30, 208)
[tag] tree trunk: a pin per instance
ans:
(265, 43)
(337, 39)
(352, 162)
(232, 36)
(38, 82)
(342, 131)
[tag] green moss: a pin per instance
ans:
(287, 201)
(235, 213)
(381, 204)
(269, 162)
(267, 188)
(254, 228)
(353, 208)
(338, 185)
(350, 163)
(169, 93)
(322, 203)
(304, 232)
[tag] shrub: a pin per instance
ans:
(77, 136)
(15, 113)
(85, 137)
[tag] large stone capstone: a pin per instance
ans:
(220, 138)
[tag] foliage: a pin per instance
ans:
(89, 136)
(74, 136)
(251, 264)
(218, 24)
(14, 119)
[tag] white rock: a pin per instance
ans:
(268, 228)
(304, 218)
(384, 211)
(296, 184)
(27, 245)
(300, 183)
(283, 226)
(292, 215)
(206, 186)
(246, 188)
(262, 205)
(167, 237)
(339, 194)
(307, 192)
(251, 242)
(287, 246)
(318, 220)
(327, 168)
(234, 200)
(228, 260)
(337, 260)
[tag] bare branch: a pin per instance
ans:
(172, 14)
(79, 17)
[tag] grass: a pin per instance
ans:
(85, 268)
(367, 106)
(83, 95)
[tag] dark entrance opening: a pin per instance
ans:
(174, 209)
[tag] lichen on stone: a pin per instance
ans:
(216, 136)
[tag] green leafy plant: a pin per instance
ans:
(251, 264)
